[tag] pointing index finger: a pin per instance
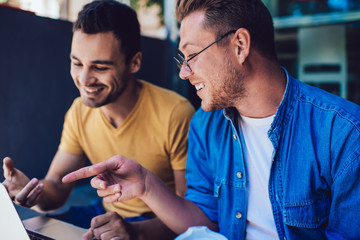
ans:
(79, 174)
(93, 170)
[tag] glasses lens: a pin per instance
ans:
(178, 62)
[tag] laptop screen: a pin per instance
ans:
(11, 226)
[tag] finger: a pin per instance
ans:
(98, 183)
(85, 172)
(89, 171)
(8, 167)
(23, 195)
(79, 174)
(99, 221)
(113, 198)
(31, 201)
(110, 235)
(110, 190)
(88, 235)
(100, 225)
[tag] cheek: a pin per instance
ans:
(73, 73)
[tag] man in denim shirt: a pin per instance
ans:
(269, 157)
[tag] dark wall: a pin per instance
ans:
(37, 89)
(156, 66)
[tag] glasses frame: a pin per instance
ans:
(180, 60)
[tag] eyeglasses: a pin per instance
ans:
(180, 61)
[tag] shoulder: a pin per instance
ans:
(162, 93)
(329, 104)
(333, 120)
(165, 100)
(77, 104)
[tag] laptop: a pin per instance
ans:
(43, 228)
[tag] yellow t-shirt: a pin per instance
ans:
(154, 134)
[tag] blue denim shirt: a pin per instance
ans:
(314, 185)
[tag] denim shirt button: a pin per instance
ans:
(238, 215)
(318, 220)
(234, 136)
(239, 175)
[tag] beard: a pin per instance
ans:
(110, 98)
(228, 88)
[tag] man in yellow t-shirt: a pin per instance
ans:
(116, 114)
(154, 133)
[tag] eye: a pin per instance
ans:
(77, 64)
(191, 55)
(101, 68)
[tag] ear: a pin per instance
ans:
(243, 43)
(135, 62)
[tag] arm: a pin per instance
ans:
(120, 179)
(345, 201)
(47, 194)
(180, 182)
(55, 191)
(178, 143)
(177, 213)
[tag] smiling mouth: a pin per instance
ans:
(93, 90)
(200, 86)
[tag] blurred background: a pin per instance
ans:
(317, 42)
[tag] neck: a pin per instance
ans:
(117, 111)
(265, 87)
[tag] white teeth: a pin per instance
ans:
(200, 86)
(92, 90)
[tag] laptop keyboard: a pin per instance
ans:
(37, 236)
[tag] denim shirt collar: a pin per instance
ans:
(283, 113)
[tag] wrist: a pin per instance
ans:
(149, 181)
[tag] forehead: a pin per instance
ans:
(99, 45)
(192, 31)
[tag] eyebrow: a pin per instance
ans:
(183, 47)
(103, 62)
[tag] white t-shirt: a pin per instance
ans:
(258, 151)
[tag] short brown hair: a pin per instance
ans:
(227, 15)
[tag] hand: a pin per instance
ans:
(109, 226)
(21, 190)
(117, 179)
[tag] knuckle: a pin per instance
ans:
(112, 214)
(93, 222)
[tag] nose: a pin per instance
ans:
(85, 77)
(184, 73)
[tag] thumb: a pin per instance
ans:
(8, 167)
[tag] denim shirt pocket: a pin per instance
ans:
(308, 214)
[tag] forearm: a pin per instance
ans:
(55, 192)
(177, 213)
(53, 196)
